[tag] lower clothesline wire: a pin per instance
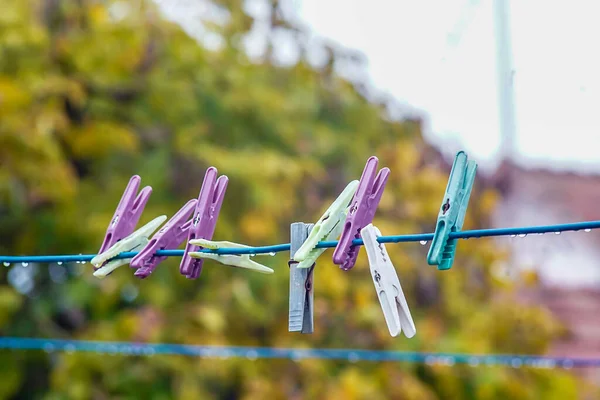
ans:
(449, 359)
(253, 353)
(422, 237)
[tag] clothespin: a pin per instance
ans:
(204, 220)
(453, 210)
(328, 227)
(234, 260)
(361, 213)
(169, 237)
(300, 317)
(127, 214)
(136, 241)
(390, 294)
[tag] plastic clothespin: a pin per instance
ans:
(328, 227)
(204, 220)
(390, 294)
(233, 260)
(169, 237)
(127, 214)
(136, 241)
(453, 210)
(361, 213)
(301, 301)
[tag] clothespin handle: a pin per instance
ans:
(300, 318)
(452, 211)
(128, 213)
(204, 220)
(170, 236)
(361, 213)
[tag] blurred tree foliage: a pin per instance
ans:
(92, 92)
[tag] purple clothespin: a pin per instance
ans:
(168, 238)
(362, 211)
(128, 213)
(204, 221)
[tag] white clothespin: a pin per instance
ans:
(136, 241)
(394, 306)
(234, 260)
(328, 227)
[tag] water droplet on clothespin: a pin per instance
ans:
(60, 263)
(587, 230)
(522, 235)
(6, 264)
(272, 253)
(252, 255)
(557, 233)
(423, 242)
(24, 264)
(82, 262)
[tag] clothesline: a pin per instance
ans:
(586, 226)
(253, 353)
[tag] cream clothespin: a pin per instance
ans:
(136, 241)
(328, 227)
(392, 300)
(234, 260)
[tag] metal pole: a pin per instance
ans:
(506, 95)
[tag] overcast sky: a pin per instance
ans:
(413, 54)
(439, 56)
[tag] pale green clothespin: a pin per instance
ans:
(452, 212)
(136, 241)
(328, 227)
(234, 260)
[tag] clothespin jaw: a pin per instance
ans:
(328, 227)
(136, 241)
(233, 260)
(361, 213)
(453, 210)
(389, 291)
(204, 220)
(301, 299)
(169, 237)
(127, 214)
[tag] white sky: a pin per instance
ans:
(556, 60)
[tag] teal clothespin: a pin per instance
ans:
(452, 212)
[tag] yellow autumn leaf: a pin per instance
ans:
(99, 139)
